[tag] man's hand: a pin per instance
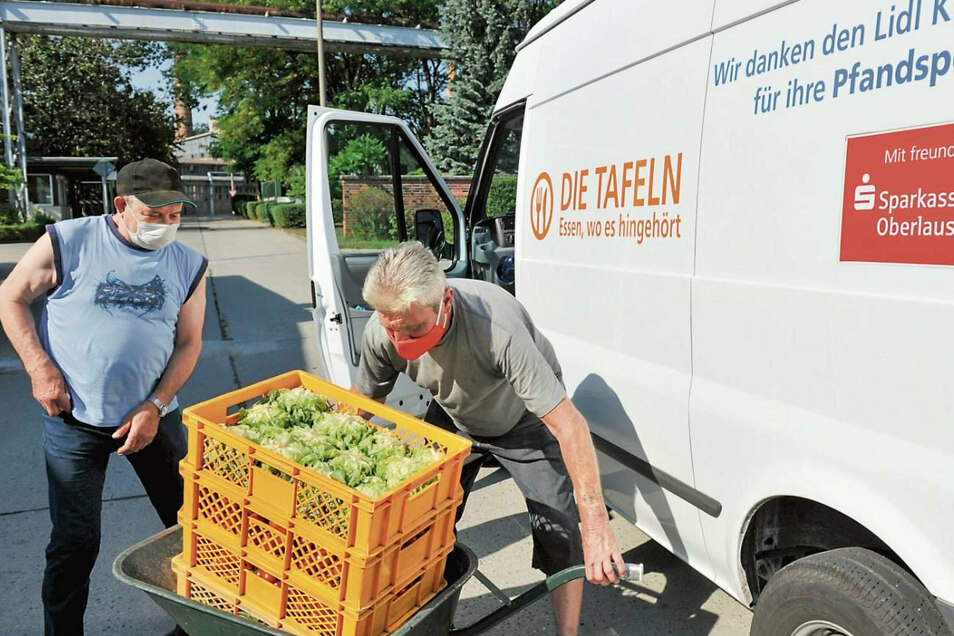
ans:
(141, 425)
(600, 550)
(50, 390)
(600, 553)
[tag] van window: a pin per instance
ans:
(502, 196)
(359, 178)
(492, 204)
(378, 186)
(497, 196)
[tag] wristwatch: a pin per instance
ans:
(163, 408)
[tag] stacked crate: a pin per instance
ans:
(269, 539)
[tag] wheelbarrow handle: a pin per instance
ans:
(634, 572)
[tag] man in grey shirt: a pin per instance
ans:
(497, 380)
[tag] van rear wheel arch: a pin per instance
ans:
(785, 529)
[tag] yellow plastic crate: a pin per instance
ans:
(222, 531)
(284, 604)
(308, 616)
(358, 582)
(300, 499)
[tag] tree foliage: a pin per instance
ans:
(264, 94)
(78, 100)
(482, 36)
(10, 178)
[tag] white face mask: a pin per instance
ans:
(151, 236)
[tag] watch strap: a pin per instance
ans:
(163, 408)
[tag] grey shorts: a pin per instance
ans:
(531, 454)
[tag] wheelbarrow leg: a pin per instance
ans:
(496, 591)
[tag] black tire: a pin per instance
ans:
(856, 590)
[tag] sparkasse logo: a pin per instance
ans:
(865, 194)
(541, 206)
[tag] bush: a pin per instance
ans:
(261, 211)
(297, 182)
(288, 214)
(502, 196)
(255, 210)
(43, 219)
(20, 233)
(24, 232)
(369, 214)
(239, 201)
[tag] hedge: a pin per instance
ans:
(256, 211)
(239, 202)
(24, 232)
(502, 196)
(21, 232)
(276, 214)
(288, 214)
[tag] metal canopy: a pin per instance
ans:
(207, 27)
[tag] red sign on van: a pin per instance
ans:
(898, 202)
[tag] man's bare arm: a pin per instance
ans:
(600, 549)
(33, 276)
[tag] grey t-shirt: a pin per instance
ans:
(492, 370)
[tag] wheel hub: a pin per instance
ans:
(820, 628)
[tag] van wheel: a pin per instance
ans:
(846, 592)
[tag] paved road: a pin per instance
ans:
(258, 324)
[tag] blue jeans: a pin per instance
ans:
(76, 458)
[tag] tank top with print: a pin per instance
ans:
(110, 323)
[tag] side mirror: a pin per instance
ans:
(429, 230)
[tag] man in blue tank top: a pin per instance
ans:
(120, 334)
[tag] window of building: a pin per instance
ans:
(41, 188)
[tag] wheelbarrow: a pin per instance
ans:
(147, 566)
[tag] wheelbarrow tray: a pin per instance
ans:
(147, 566)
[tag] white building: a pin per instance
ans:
(209, 180)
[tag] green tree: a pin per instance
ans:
(264, 93)
(78, 99)
(10, 179)
(482, 36)
(359, 156)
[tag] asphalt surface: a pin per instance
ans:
(257, 325)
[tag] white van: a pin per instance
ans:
(734, 219)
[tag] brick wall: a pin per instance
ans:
(418, 192)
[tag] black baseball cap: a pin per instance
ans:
(153, 182)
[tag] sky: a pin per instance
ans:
(152, 79)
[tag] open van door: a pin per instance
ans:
(370, 186)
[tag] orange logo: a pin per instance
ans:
(541, 206)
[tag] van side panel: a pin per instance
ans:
(731, 11)
(520, 78)
(816, 377)
(605, 246)
(609, 34)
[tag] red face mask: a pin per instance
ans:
(414, 348)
